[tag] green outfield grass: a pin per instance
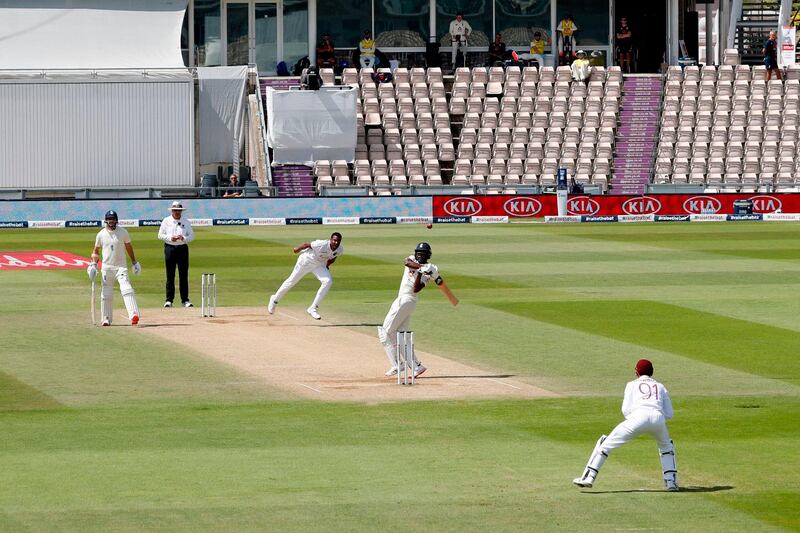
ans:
(106, 429)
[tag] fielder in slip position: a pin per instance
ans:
(646, 408)
(316, 257)
(114, 242)
(418, 272)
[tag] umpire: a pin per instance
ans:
(176, 233)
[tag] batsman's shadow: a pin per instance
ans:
(715, 488)
(346, 325)
(473, 376)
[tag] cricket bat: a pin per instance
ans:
(447, 292)
(94, 299)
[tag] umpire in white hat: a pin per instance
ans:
(176, 232)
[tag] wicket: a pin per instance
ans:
(405, 357)
(208, 294)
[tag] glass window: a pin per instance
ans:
(238, 42)
(295, 30)
(517, 20)
(266, 36)
(208, 44)
(476, 12)
(344, 20)
(401, 23)
(591, 17)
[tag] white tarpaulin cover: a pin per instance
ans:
(308, 126)
(89, 34)
(220, 112)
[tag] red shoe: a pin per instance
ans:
(134, 320)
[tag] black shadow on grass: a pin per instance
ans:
(715, 488)
(346, 325)
(487, 376)
(140, 326)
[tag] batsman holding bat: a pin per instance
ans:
(418, 272)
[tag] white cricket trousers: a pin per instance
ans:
(650, 421)
(643, 420)
(109, 274)
(397, 319)
(301, 268)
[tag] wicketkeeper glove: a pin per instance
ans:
(92, 271)
(137, 268)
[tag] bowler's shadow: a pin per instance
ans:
(716, 488)
(474, 376)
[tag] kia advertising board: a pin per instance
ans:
(603, 206)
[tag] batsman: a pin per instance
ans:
(114, 243)
(417, 274)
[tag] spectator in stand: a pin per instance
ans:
(771, 56)
(581, 68)
(326, 53)
(567, 29)
(366, 47)
(624, 44)
(459, 32)
(497, 51)
(233, 191)
(537, 49)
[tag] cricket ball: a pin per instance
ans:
(429, 226)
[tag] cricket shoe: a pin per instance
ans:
(393, 371)
(419, 370)
(585, 483)
(313, 312)
(272, 303)
(187, 303)
(134, 320)
(167, 304)
(672, 486)
(106, 322)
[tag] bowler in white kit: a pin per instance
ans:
(114, 243)
(646, 408)
(315, 257)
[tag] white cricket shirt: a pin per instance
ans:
(646, 393)
(407, 283)
(460, 28)
(112, 244)
(171, 228)
(320, 252)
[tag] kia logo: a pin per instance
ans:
(702, 204)
(766, 204)
(643, 205)
(462, 207)
(582, 205)
(522, 206)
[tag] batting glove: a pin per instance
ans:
(92, 271)
(137, 268)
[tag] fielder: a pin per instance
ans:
(316, 257)
(114, 242)
(646, 408)
(417, 274)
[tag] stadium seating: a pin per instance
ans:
(495, 129)
(727, 130)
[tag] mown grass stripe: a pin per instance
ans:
(738, 344)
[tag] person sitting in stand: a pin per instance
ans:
(581, 68)
(326, 53)
(624, 44)
(497, 51)
(537, 49)
(567, 29)
(366, 47)
(233, 191)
